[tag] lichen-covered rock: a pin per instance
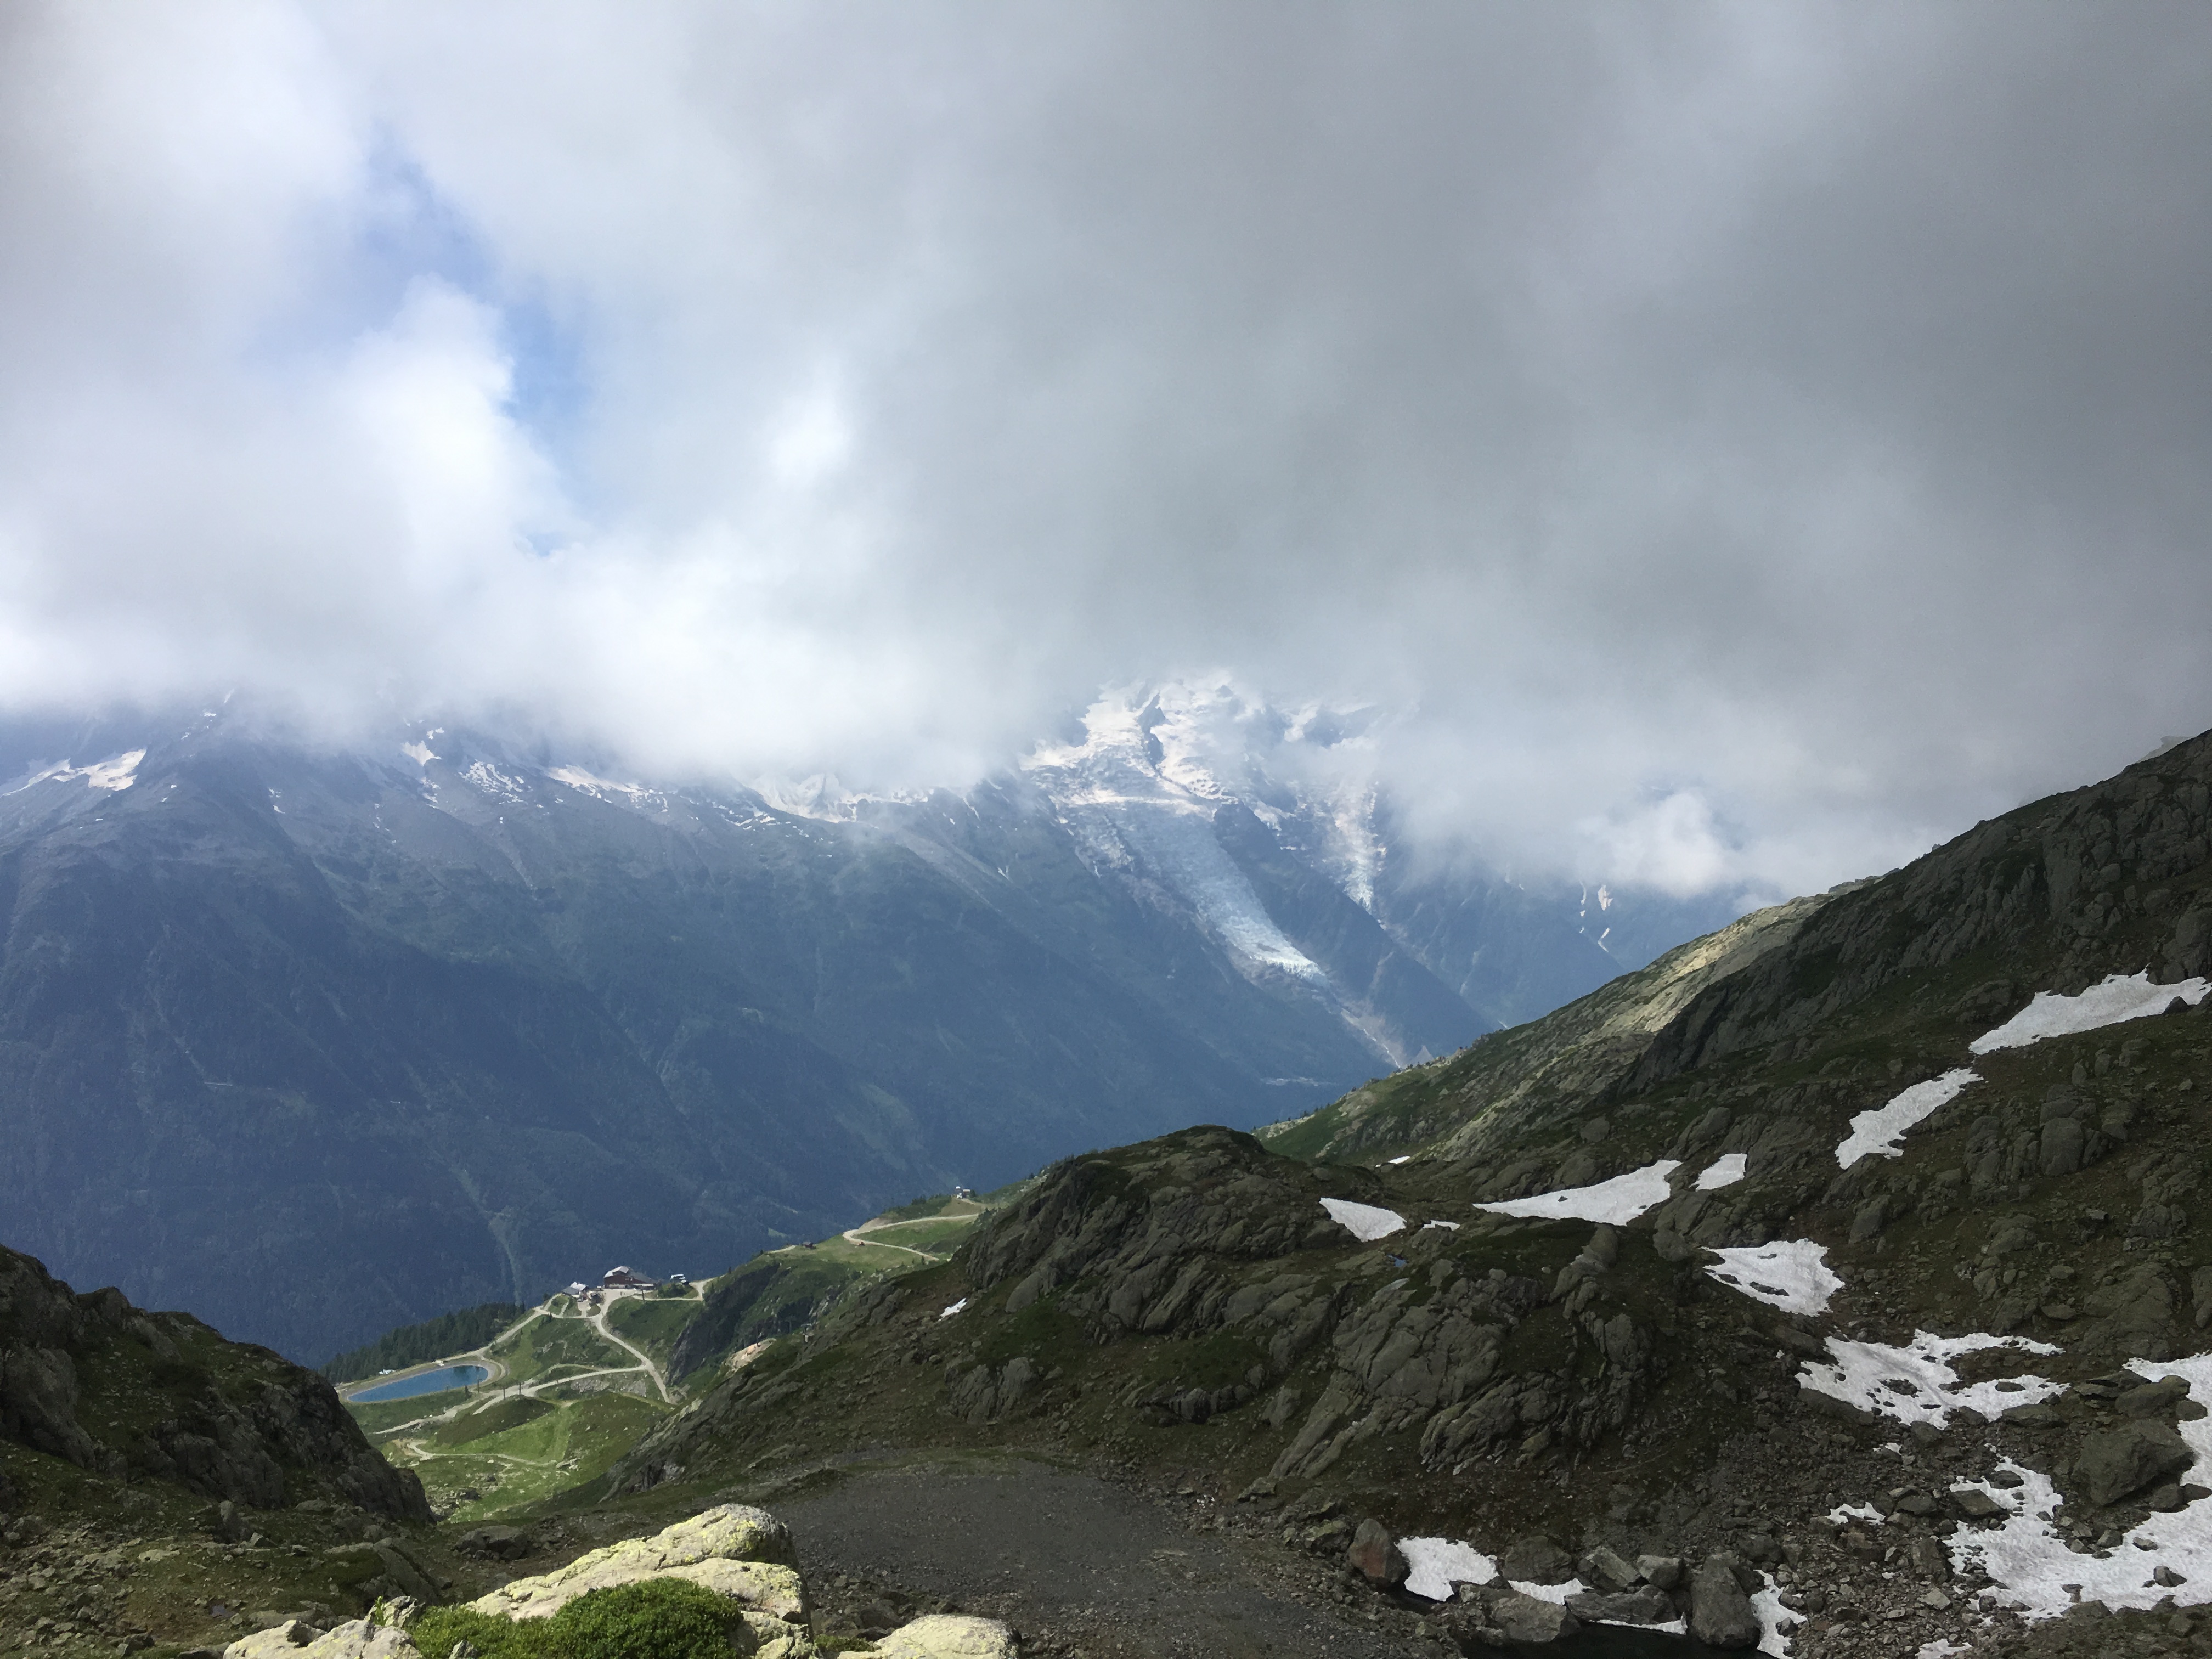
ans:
(358, 1639)
(734, 1550)
(948, 1636)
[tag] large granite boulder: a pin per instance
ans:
(358, 1639)
(734, 1550)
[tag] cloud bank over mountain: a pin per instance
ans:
(1732, 443)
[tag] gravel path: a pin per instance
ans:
(1077, 1566)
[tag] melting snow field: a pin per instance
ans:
(1366, 1222)
(1880, 1131)
(2040, 1576)
(2117, 998)
(1437, 1564)
(1723, 1171)
(1916, 1383)
(1792, 1275)
(1618, 1200)
(954, 1308)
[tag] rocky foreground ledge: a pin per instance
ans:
(741, 1553)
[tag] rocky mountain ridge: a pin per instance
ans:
(1871, 1262)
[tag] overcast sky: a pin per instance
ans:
(1736, 443)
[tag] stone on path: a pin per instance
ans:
(948, 1636)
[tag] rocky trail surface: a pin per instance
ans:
(1077, 1566)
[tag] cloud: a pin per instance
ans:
(1737, 442)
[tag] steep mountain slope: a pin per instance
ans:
(1858, 1253)
(324, 1042)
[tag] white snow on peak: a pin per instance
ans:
(1140, 793)
(1880, 1131)
(1792, 1274)
(418, 752)
(1366, 1222)
(1723, 1171)
(2111, 1000)
(1618, 1200)
(1916, 1383)
(116, 772)
(604, 789)
(490, 779)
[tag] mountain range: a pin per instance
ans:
(320, 1040)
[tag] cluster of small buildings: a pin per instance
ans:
(619, 1278)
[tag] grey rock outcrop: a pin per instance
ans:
(1720, 1612)
(230, 1421)
(2118, 1462)
(1521, 1618)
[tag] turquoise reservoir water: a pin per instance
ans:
(436, 1381)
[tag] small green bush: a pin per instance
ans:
(437, 1631)
(659, 1619)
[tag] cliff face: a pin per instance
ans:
(135, 1395)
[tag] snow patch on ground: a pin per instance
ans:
(1453, 1225)
(1916, 1383)
(1866, 1512)
(1366, 1222)
(418, 752)
(1773, 1615)
(954, 1308)
(1615, 1202)
(1555, 1593)
(1406, 1158)
(1792, 1274)
(2032, 1569)
(1436, 1563)
(1879, 1130)
(2112, 1000)
(116, 772)
(1723, 1171)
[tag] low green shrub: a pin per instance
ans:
(659, 1619)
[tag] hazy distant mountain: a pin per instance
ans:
(318, 1042)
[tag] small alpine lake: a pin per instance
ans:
(430, 1381)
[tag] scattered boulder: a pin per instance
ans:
(1376, 1555)
(1720, 1614)
(1975, 1504)
(1645, 1605)
(1660, 1572)
(1605, 1570)
(1528, 1619)
(2118, 1462)
(496, 1543)
(1537, 1560)
(948, 1636)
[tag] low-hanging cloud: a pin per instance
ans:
(1739, 442)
